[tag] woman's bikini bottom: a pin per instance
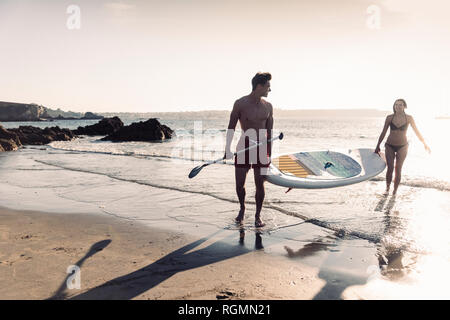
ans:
(396, 148)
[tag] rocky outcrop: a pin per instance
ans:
(150, 130)
(102, 128)
(10, 111)
(8, 140)
(37, 136)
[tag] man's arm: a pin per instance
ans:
(234, 117)
(269, 127)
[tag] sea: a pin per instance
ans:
(415, 222)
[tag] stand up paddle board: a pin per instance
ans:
(325, 169)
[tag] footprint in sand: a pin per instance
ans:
(226, 295)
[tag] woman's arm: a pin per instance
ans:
(417, 132)
(383, 133)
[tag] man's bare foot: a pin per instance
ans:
(240, 218)
(259, 223)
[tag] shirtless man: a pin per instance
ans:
(255, 116)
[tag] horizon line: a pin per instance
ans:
(229, 110)
(201, 110)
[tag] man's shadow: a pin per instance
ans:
(133, 284)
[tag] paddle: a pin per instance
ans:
(197, 169)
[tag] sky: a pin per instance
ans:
(189, 55)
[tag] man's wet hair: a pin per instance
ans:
(260, 78)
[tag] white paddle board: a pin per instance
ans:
(325, 169)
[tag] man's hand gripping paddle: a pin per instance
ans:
(197, 169)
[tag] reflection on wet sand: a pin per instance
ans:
(258, 238)
(311, 248)
(391, 256)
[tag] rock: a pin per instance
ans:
(102, 128)
(60, 117)
(9, 141)
(150, 130)
(90, 116)
(8, 145)
(38, 136)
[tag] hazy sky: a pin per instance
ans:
(175, 55)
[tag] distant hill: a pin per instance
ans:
(12, 111)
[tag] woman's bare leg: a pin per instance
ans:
(399, 160)
(390, 157)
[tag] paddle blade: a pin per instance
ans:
(195, 171)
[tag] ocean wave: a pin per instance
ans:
(193, 132)
(139, 154)
(428, 183)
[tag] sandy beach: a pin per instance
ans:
(125, 260)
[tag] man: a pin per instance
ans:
(256, 118)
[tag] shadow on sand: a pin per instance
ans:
(186, 258)
(133, 284)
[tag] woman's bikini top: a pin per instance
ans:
(402, 128)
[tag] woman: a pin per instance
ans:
(396, 146)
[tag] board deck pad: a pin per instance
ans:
(339, 165)
(288, 164)
(304, 164)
